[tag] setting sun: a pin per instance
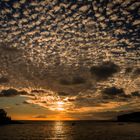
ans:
(60, 106)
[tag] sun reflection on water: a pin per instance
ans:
(59, 130)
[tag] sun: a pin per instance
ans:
(60, 103)
(60, 106)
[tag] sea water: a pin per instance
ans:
(70, 130)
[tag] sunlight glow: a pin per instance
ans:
(60, 106)
(60, 103)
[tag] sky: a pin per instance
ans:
(64, 60)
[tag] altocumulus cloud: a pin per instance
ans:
(104, 70)
(73, 81)
(11, 92)
(4, 80)
(71, 49)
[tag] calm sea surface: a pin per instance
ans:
(66, 130)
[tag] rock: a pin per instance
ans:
(131, 117)
(4, 119)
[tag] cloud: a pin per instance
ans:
(40, 116)
(38, 91)
(63, 93)
(7, 47)
(135, 94)
(115, 93)
(73, 81)
(46, 49)
(11, 92)
(104, 70)
(4, 80)
(128, 70)
(26, 102)
(136, 72)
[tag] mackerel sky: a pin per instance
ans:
(69, 60)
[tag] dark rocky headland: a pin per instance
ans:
(130, 117)
(4, 119)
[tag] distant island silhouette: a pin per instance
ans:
(130, 117)
(4, 119)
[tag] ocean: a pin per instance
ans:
(70, 130)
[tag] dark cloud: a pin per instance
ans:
(113, 91)
(38, 91)
(104, 70)
(135, 94)
(40, 116)
(7, 47)
(4, 80)
(23, 92)
(78, 80)
(73, 81)
(136, 72)
(71, 100)
(11, 92)
(63, 93)
(128, 70)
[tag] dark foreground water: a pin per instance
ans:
(63, 130)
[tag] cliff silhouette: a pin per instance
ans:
(4, 119)
(130, 117)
